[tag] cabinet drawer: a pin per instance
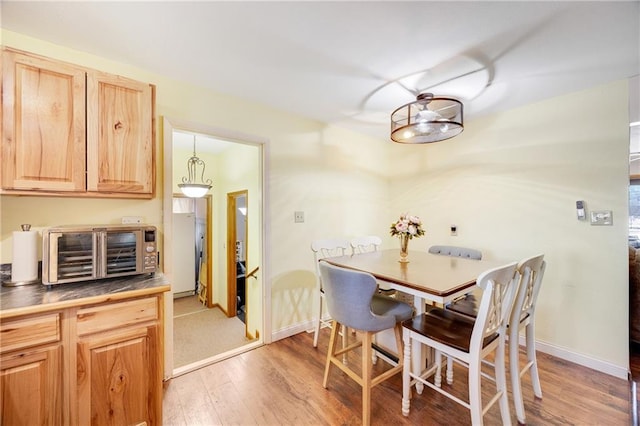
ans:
(115, 315)
(26, 332)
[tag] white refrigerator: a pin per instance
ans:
(184, 253)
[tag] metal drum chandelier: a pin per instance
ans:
(428, 119)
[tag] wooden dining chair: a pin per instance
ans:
(353, 303)
(321, 249)
(468, 340)
(467, 253)
(365, 244)
(522, 317)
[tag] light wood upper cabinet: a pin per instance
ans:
(73, 131)
(120, 155)
(43, 129)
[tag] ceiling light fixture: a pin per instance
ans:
(189, 186)
(428, 119)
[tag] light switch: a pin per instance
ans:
(298, 217)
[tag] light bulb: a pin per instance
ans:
(444, 127)
(426, 115)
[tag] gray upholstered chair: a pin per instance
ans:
(456, 251)
(353, 303)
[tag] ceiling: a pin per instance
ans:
(352, 63)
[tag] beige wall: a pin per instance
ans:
(509, 183)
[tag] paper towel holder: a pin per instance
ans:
(8, 283)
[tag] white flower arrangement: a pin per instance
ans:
(410, 226)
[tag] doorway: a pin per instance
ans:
(237, 221)
(222, 167)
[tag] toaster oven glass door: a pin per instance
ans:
(76, 256)
(123, 252)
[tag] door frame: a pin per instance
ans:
(232, 276)
(168, 125)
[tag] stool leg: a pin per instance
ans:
(449, 370)
(316, 332)
(406, 378)
(531, 357)
(501, 382)
(437, 380)
(514, 368)
(331, 350)
(345, 332)
(366, 378)
(475, 402)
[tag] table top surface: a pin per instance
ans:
(433, 274)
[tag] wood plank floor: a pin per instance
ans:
(281, 384)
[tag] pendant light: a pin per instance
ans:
(428, 119)
(189, 186)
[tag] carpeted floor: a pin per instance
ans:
(200, 333)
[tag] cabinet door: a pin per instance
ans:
(120, 149)
(119, 378)
(31, 387)
(43, 124)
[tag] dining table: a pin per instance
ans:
(429, 278)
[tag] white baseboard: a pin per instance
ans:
(567, 355)
(291, 330)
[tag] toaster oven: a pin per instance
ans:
(85, 253)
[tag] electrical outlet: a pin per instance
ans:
(298, 217)
(131, 219)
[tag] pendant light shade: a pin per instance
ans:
(189, 186)
(428, 119)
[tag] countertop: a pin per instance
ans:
(34, 298)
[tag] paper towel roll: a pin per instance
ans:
(25, 256)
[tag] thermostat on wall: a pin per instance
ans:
(602, 217)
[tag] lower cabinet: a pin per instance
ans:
(85, 365)
(31, 387)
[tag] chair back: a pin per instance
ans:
(499, 287)
(365, 244)
(456, 251)
(327, 248)
(531, 271)
(349, 294)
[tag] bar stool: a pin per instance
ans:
(522, 316)
(352, 303)
(468, 341)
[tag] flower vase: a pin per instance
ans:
(404, 248)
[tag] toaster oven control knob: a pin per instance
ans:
(150, 249)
